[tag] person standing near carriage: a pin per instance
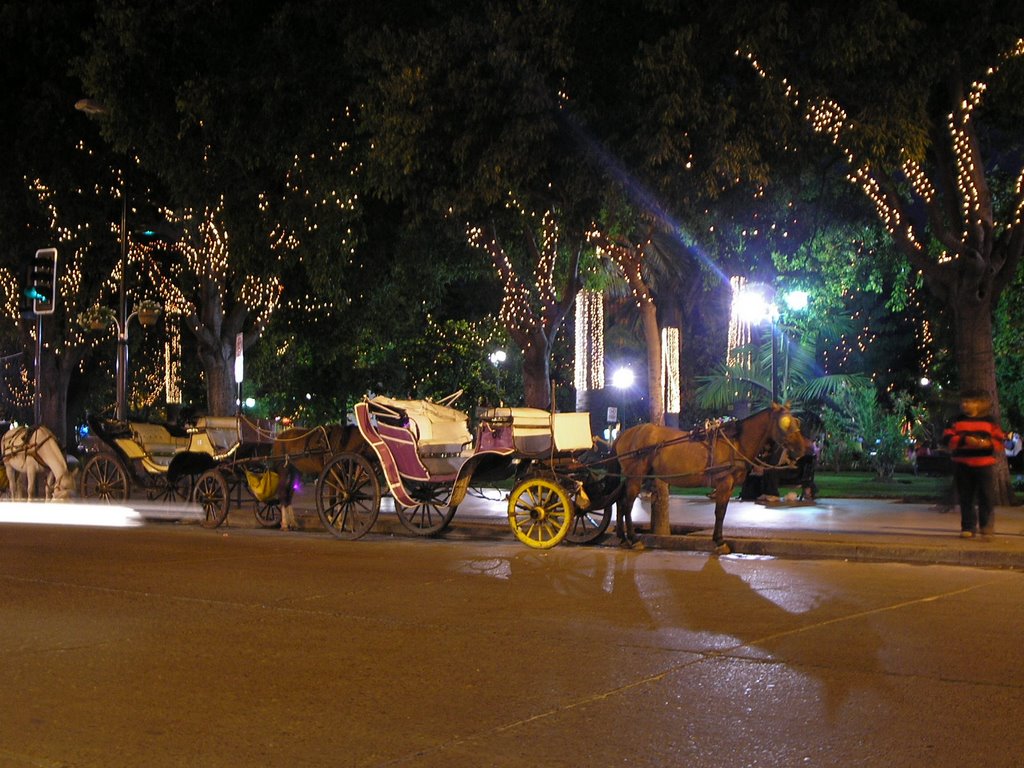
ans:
(973, 439)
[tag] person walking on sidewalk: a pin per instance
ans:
(973, 439)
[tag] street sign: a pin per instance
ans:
(239, 350)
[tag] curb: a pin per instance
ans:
(979, 556)
(811, 546)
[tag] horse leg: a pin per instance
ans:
(30, 480)
(15, 479)
(288, 492)
(624, 513)
(721, 496)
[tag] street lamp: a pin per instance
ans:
(497, 359)
(622, 380)
(147, 312)
(754, 304)
(96, 109)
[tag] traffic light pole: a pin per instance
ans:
(122, 335)
(43, 292)
(38, 400)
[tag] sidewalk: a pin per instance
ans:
(867, 530)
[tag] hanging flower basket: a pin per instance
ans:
(149, 312)
(97, 318)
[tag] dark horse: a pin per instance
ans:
(305, 451)
(719, 458)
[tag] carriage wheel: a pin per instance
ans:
(105, 479)
(540, 513)
(348, 496)
(588, 524)
(166, 489)
(211, 493)
(268, 514)
(432, 515)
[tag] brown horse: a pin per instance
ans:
(305, 451)
(719, 458)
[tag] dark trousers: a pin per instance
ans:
(975, 483)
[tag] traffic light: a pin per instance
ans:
(42, 287)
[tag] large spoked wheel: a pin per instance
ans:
(540, 513)
(588, 524)
(212, 495)
(268, 514)
(432, 515)
(178, 488)
(105, 479)
(348, 496)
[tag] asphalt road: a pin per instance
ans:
(170, 645)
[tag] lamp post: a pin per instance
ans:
(96, 109)
(497, 359)
(147, 313)
(756, 303)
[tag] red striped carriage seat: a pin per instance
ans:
(441, 434)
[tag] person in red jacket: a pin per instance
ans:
(974, 440)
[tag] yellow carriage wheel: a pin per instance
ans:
(540, 513)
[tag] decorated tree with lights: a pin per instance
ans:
(253, 148)
(953, 217)
(629, 259)
(532, 312)
(215, 300)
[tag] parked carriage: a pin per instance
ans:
(218, 455)
(427, 458)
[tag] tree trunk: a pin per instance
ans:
(976, 366)
(53, 391)
(537, 374)
(659, 509)
(652, 339)
(221, 387)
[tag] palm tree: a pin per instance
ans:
(800, 380)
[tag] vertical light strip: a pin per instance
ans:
(172, 361)
(670, 384)
(589, 364)
(739, 331)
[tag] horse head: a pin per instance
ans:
(66, 486)
(786, 432)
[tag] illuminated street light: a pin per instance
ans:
(754, 304)
(623, 378)
(497, 357)
(796, 300)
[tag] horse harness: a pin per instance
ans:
(714, 433)
(32, 451)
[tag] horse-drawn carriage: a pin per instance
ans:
(424, 454)
(172, 463)
(427, 458)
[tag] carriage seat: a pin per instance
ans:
(216, 435)
(536, 431)
(443, 439)
(157, 440)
